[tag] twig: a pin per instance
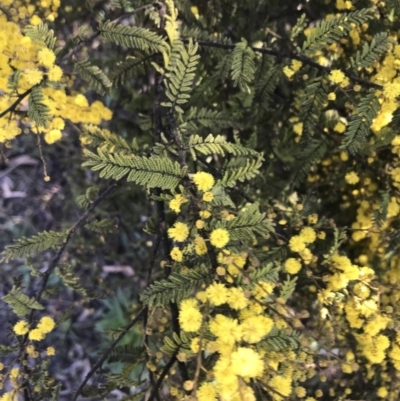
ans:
(20, 98)
(95, 34)
(108, 352)
(166, 369)
(292, 56)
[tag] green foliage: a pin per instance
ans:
(41, 35)
(71, 280)
(125, 70)
(94, 76)
(37, 243)
(312, 101)
(103, 226)
(358, 129)
(177, 287)
(243, 67)
(151, 172)
(6, 350)
(213, 119)
(13, 79)
(107, 141)
(248, 223)
(240, 168)
(132, 37)
(268, 272)
(178, 343)
(330, 30)
(217, 145)
(371, 52)
(37, 110)
(288, 287)
(266, 85)
(20, 303)
(380, 214)
(125, 353)
(181, 72)
(280, 340)
(307, 158)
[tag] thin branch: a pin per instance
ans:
(166, 369)
(292, 56)
(20, 98)
(108, 352)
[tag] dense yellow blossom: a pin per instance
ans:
(204, 181)
(247, 363)
(21, 328)
(219, 237)
(190, 317)
(217, 294)
(46, 324)
(179, 232)
(292, 265)
(176, 254)
(297, 244)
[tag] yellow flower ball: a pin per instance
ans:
(219, 237)
(204, 181)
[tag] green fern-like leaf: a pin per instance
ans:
(41, 35)
(288, 287)
(312, 101)
(13, 80)
(20, 303)
(124, 71)
(6, 350)
(70, 279)
(37, 243)
(217, 145)
(309, 157)
(103, 226)
(151, 172)
(380, 215)
(94, 76)
(279, 340)
(268, 272)
(266, 85)
(181, 72)
(132, 37)
(37, 110)
(213, 119)
(248, 223)
(359, 126)
(106, 140)
(125, 353)
(240, 168)
(177, 287)
(243, 67)
(371, 52)
(178, 343)
(332, 29)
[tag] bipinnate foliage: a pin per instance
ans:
(258, 149)
(20, 303)
(151, 172)
(37, 109)
(37, 243)
(177, 287)
(96, 78)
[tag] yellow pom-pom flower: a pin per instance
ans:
(247, 363)
(308, 235)
(292, 266)
(55, 73)
(207, 392)
(179, 232)
(297, 244)
(21, 328)
(219, 237)
(352, 178)
(217, 294)
(208, 197)
(176, 254)
(200, 246)
(46, 324)
(46, 57)
(190, 317)
(52, 136)
(34, 76)
(204, 181)
(50, 351)
(36, 335)
(237, 298)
